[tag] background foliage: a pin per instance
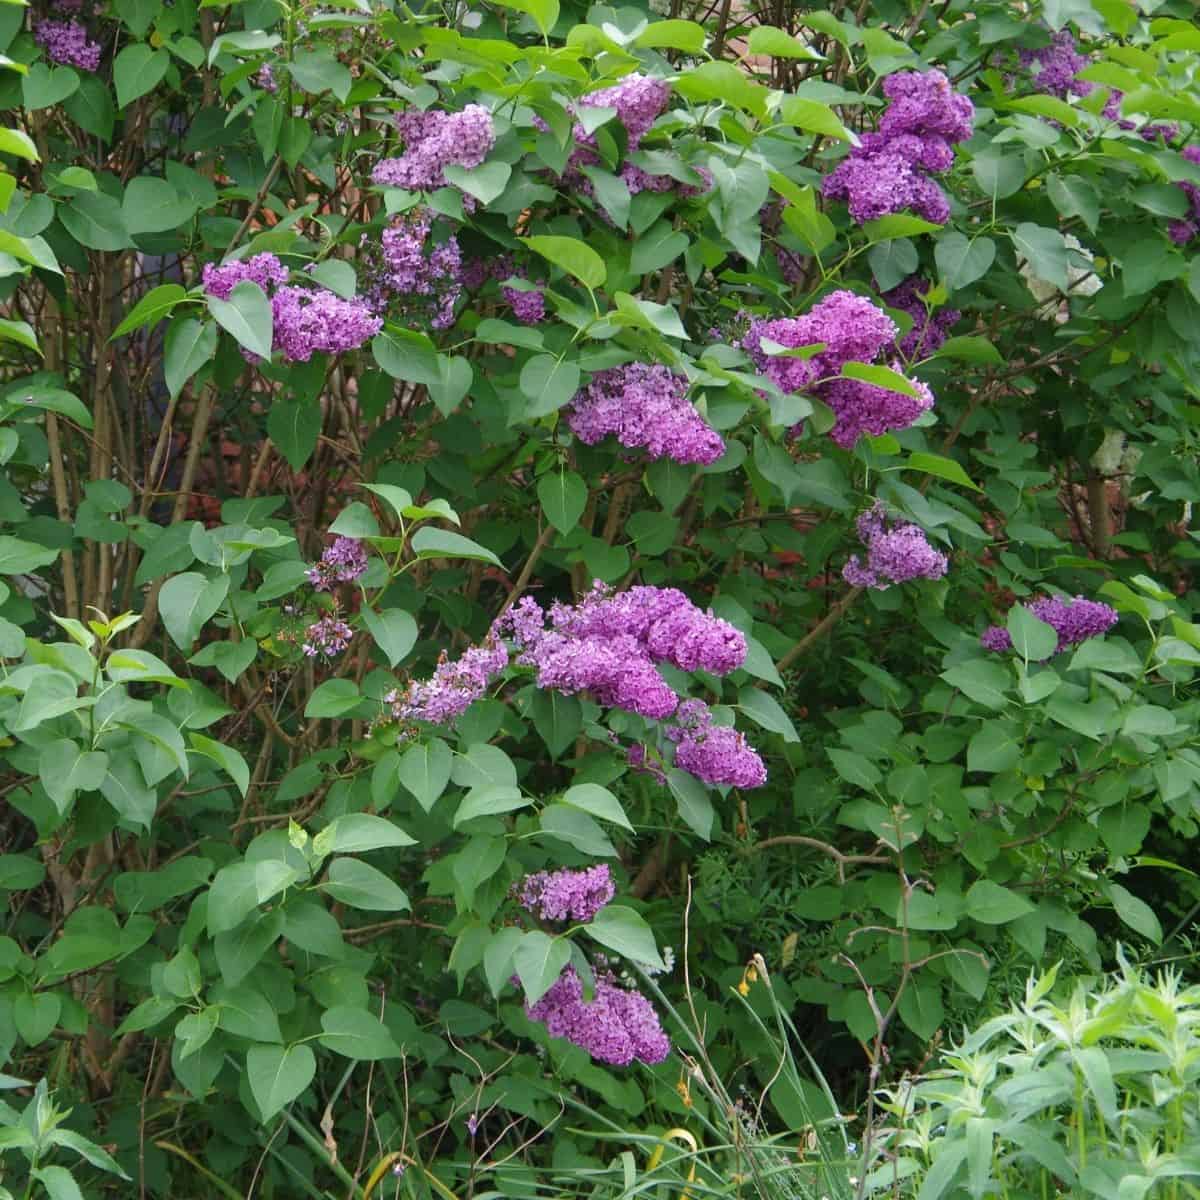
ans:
(260, 940)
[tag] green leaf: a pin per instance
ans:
(333, 698)
(814, 117)
(360, 885)
(429, 542)
(659, 245)
(1045, 251)
(355, 833)
(765, 39)
(91, 108)
(547, 384)
(137, 70)
(65, 767)
(247, 316)
(277, 1075)
(687, 36)
(1137, 914)
(18, 144)
(489, 801)
(19, 872)
(44, 86)
(599, 801)
(880, 377)
(232, 897)
(187, 601)
(991, 904)
(226, 757)
(408, 355)
(95, 220)
(484, 182)
(1033, 639)
(154, 206)
(356, 1033)
(539, 961)
(577, 829)
(424, 769)
(544, 12)
(694, 803)
(994, 748)
(394, 631)
(763, 709)
(190, 344)
(59, 1183)
(18, 557)
(622, 929)
(35, 1015)
(727, 84)
(318, 71)
(943, 468)
(151, 308)
(970, 348)
(294, 424)
(961, 261)
(577, 258)
(563, 497)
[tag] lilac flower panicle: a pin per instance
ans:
(889, 171)
(645, 407)
(717, 754)
(566, 895)
(1073, 620)
(929, 330)
(896, 552)
(264, 269)
(327, 637)
(862, 408)
(1182, 231)
(639, 101)
(265, 78)
(67, 43)
(1054, 68)
(617, 1027)
(434, 140)
(411, 271)
(312, 320)
(342, 562)
(452, 689)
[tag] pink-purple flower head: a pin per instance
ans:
(716, 754)
(264, 269)
(646, 408)
(929, 329)
(343, 561)
(1073, 620)
(453, 687)
(1054, 69)
(434, 140)
(896, 552)
(617, 1027)
(67, 43)
(327, 637)
(566, 895)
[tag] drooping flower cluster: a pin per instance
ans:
(434, 140)
(306, 320)
(897, 551)
(717, 754)
(646, 408)
(67, 43)
(453, 687)
(1182, 231)
(848, 328)
(929, 329)
(342, 562)
(412, 273)
(327, 637)
(618, 1026)
(889, 172)
(566, 895)
(1073, 620)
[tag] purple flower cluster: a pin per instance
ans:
(566, 895)
(433, 141)
(1054, 68)
(342, 562)
(1181, 232)
(847, 328)
(265, 78)
(305, 320)
(897, 551)
(67, 42)
(1073, 620)
(618, 1026)
(528, 305)
(453, 688)
(717, 754)
(646, 407)
(412, 271)
(929, 329)
(327, 637)
(608, 643)
(264, 269)
(889, 171)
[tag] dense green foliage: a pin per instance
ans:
(260, 937)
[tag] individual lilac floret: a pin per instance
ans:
(929, 329)
(327, 637)
(1073, 620)
(716, 754)
(617, 1027)
(566, 895)
(888, 171)
(66, 42)
(1054, 67)
(312, 320)
(897, 551)
(264, 269)
(646, 407)
(342, 562)
(454, 687)
(433, 141)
